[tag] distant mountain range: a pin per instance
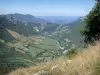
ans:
(43, 19)
(30, 25)
(27, 18)
(24, 25)
(60, 19)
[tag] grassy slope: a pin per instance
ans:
(83, 63)
(39, 44)
(25, 50)
(12, 59)
(44, 47)
(76, 27)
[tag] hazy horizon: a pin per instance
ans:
(47, 7)
(45, 15)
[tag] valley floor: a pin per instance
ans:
(84, 62)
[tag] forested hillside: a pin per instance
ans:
(22, 44)
(69, 34)
(25, 43)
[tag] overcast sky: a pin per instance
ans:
(47, 7)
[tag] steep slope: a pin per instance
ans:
(76, 28)
(4, 34)
(70, 33)
(23, 28)
(84, 62)
(50, 27)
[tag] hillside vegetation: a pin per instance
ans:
(26, 52)
(24, 43)
(85, 62)
(69, 34)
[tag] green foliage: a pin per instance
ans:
(10, 59)
(92, 28)
(97, 0)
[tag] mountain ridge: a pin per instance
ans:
(26, 17)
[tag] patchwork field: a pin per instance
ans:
(39, 47)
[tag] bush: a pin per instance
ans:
(92, 28)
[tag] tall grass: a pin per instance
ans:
(85, 62)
